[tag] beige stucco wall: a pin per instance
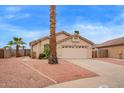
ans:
(60, 37)
(39, 48)
(114, 51)
(70, 42)
(34, 48)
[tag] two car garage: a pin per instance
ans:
(75, 52)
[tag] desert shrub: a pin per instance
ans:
(77, 32)
(41, 56)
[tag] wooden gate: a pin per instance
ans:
(27, 52)
(94, 54)
(1, 53)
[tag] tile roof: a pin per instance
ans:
(69, 36)
(113, 42)
(47, 37)
(79, 37)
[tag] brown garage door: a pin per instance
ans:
(74, 52)
(1, 53)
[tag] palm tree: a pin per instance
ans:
(18, 42)
(53, 55)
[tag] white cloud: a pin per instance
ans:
(2, 44)
(14, 12)
(27, 34)
(16, 30)
(97, 32)
(122, 14)
(12, 9)
(10, 16)
(25, 15)
(17, 16)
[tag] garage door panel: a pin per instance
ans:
(74, 53)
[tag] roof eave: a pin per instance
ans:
(47, 37)
(109, 45)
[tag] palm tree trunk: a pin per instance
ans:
(53, 55)
(17, 51)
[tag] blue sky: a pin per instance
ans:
(97, 23)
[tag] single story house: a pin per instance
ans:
(113, 48)
(68, 46)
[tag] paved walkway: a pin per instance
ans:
(111, 75)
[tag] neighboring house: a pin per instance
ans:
(113, 48)
(68, 46)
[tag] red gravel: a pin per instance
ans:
(64, 71)
(14, 73)
(110, 60)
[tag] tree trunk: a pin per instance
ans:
(53, 55)
(17, 51)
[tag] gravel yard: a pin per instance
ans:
(17, 72)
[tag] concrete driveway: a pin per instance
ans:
(111, 75)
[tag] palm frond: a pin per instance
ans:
(15, 39)
(10, 43)
(23, 43)
(7, 46)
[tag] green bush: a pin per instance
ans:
(41, 56)
(46, 51)
(77, 32)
